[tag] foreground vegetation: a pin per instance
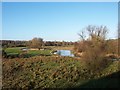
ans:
(55, 72)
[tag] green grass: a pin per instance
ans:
(17, 50)
(53, 72)
(13, 50)
(39, 52)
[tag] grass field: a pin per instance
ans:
(55, 72)
(13, 50)
(39, 52)
(17, 51)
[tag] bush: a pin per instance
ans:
(24, 55)
(4, 54)
(94, 56)
(13, 55)
(94, 47)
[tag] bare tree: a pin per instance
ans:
(97, 32)
(94, 46)
(82, 35)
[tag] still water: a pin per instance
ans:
(65, 53)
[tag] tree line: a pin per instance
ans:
(34, 43)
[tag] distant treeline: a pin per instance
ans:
(12, 43)
(57, 43)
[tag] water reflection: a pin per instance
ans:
(65, 53)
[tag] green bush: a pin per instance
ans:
(13, 55)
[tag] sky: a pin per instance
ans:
(56, 20)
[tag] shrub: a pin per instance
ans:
(94, 57)
(94, 47)
(4, 54)
(24, 55)
(12, 55)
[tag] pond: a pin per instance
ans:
(64, 53)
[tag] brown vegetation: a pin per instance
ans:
(36, 43)
(94, 48)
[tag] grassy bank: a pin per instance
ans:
(70, 47)
(54, 72)
(13, 50)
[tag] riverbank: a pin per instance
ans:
(18, 52)
(53, 72)
(70, 47)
